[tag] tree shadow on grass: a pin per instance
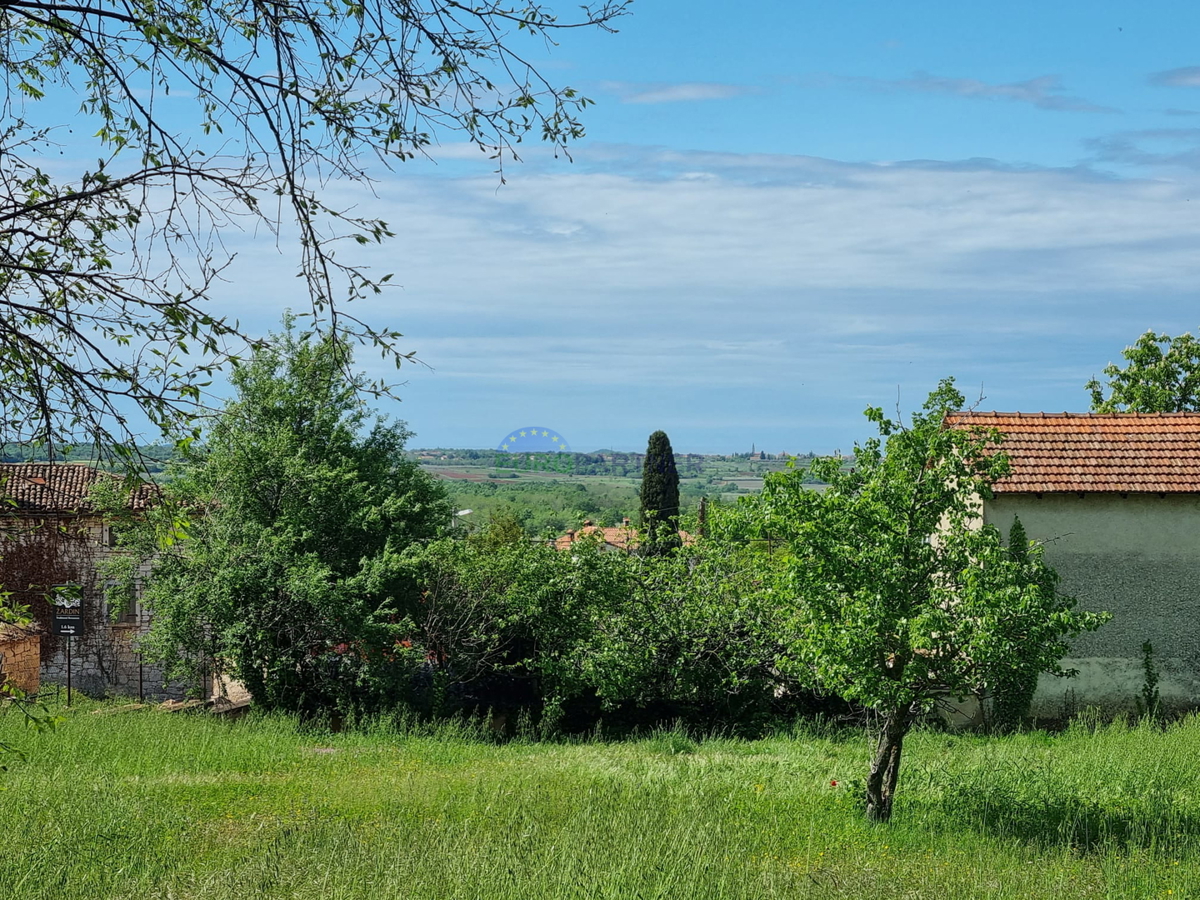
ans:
(1065, 821)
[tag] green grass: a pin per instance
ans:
(144, 804)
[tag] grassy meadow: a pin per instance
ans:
(148, 805)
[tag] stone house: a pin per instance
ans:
(1115, 499)
(50, 534)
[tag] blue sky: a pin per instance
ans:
(786, 211)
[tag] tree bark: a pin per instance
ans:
(885, 766)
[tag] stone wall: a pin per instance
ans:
(45, 550)
(20, 658)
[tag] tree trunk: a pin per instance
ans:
(885, 766)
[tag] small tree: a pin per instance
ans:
(660, 494)
(1162, 375)
(1013, 690)
(901, 595)
(286, 568)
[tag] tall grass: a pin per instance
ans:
(147, 805)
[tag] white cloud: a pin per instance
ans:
(626, 289)
(631, 92)
(1156, 147)
(1187, 76)
(614, 362)
(761, 225)
(1043, 92)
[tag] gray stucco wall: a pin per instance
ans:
(1136, 556)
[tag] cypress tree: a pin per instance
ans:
(1018, 542)
(1012, 697)
(660, 495)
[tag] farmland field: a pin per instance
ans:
(548, 501)
(148, 805)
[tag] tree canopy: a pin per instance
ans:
(900, 594)
(278, 556)
(204, 116)
(660, 493)
(1162, 375)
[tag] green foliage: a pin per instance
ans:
(708, 467)
(1018, 541)
(901, 596)
(600, 462)
(1162, 375)
(503, 529)
(507, 624)
(1013, 689)
(1150, 703)
(659, 495)
(278, 553)
(697, 639)
(500, 620)
(545, 507)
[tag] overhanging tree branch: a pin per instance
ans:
(104, 277)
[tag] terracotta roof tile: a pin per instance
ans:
(1125, 452)
(621, 537)
(58, 487)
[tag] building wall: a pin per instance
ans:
(1136, 556)
(20, 661)
(59, 549)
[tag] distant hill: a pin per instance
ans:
(154, 456)
(612, 463)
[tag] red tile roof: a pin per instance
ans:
(1125, 452)
(58, 487)
(621, 537)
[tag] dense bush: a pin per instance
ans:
(572, 637)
